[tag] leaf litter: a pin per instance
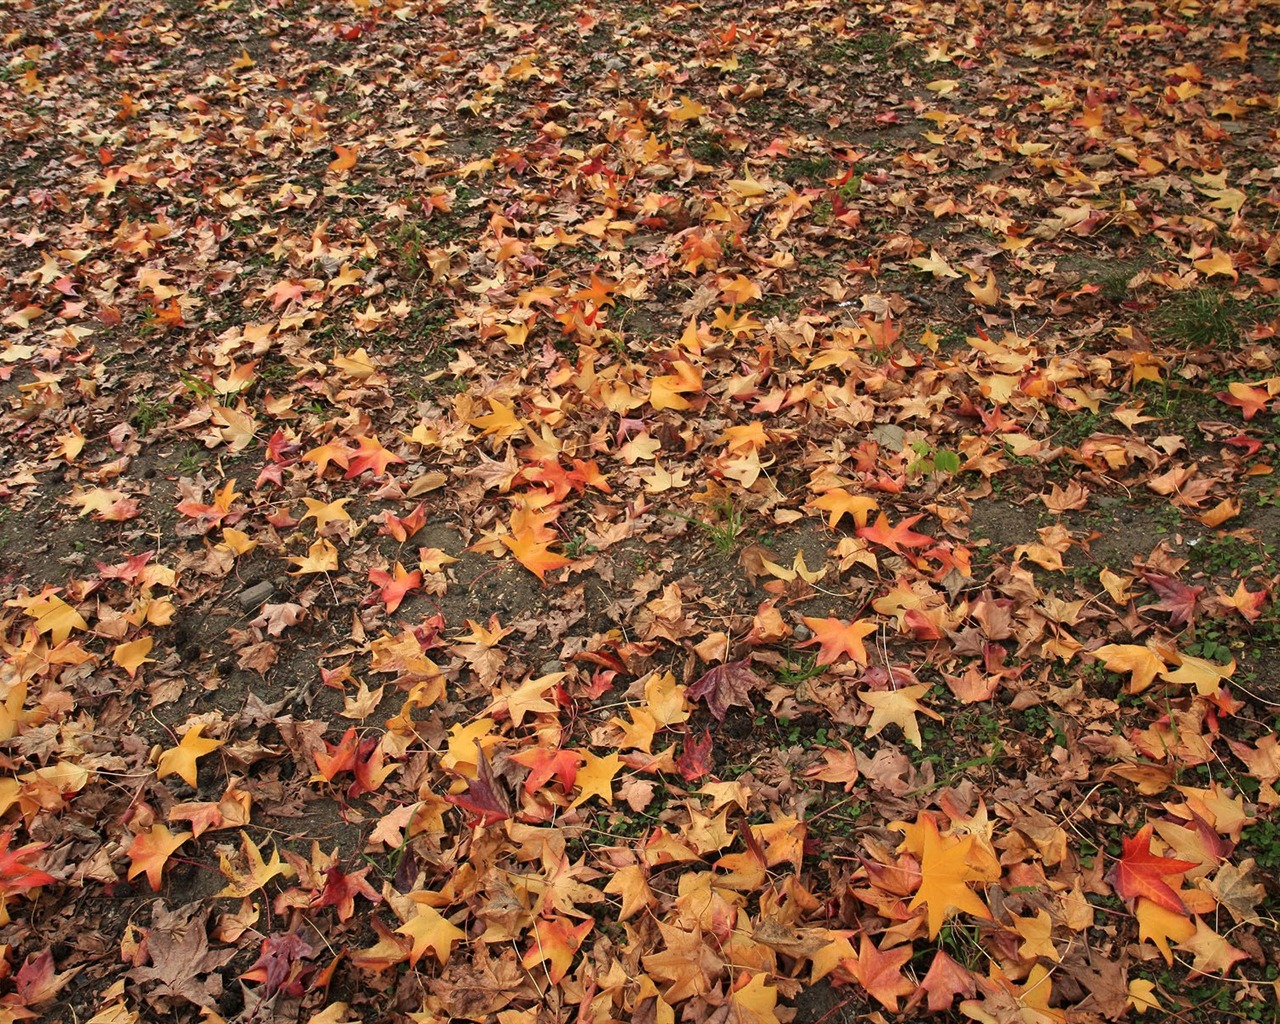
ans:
(519, 511)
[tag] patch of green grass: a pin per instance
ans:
(1204, 318)
(811, 169)
(148, 413)
(800, 670)
(725, 530)
(1231, 556)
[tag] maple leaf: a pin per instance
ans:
(944, 876)
(895, 538)
(259, 871)
(693, 761)
(320, 557)
(15, 873)
(841, 767)
(132, 656)
(1139, 872)
(632, 884)
(429, 930)
(336, 452)
(395, 584)
(370, 456)
(898, 707)
(880, 972)
(837, 637)
(404, 528)
(325, 513)
(151, 850)
(1248, 399)
(1142, 663)
(1214, 955)
(1247, 602)
(725, 686)
(1159, 924)
(181, 760)
(935, 265)
(1176, 597)
(841, 503)
(555, 942)
(544, 765)
(279, 966)
(944, 980)
(54, 616)
(595, 777)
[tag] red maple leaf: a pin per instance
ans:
(15, 872)
(692, 760)
(279, 965)
(1176, 598)
(726, 685)
(341, 889)
(1139, 872)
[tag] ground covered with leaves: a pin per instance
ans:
(536, 512)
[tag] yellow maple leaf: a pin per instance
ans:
(935, 265)
(55, 617)
(688, 110)
(530, 696)
(181, 760)
(429, 929)
(133, 655)
(501, 423)
(325, 513)
(841, 503)
(666, 700)
(1142, 663)
(1205, 675)
(944, 877)
(898, 707)
(259, 873)
(632, 884)
(321, 557)
(595, 777)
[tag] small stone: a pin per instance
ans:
(548, 667)
(254, 596)
(802, 632)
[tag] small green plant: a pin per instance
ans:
(577, 546)
(148, 413)
(724, 533)
(932, 460)
(802, 669)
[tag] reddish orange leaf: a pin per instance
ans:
(1139, 872)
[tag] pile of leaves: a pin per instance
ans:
(535, 511)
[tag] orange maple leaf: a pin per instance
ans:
(555, 941)
(395, 584)
(880, 972)
(837, 637)
(150, 850)
(895, 538)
